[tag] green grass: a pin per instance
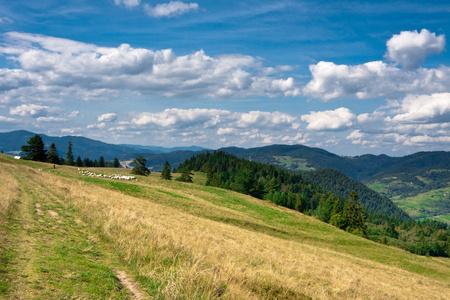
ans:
(69, 257)
(425, 205)
(297, 164)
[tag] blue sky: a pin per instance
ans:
(352, 77)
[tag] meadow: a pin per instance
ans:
(69, 236)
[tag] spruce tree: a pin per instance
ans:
(78, 162)
(35, 149)
(69, 155)
(116, 163)
(186, 176)
(165, 174)
(53, 156)
(101, 162)
(140, 168)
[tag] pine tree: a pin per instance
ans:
(78, 162)
(353, 214)
(101, 162)
(140, 168)
(186, 176)
(116, 163)
(69, 155)
(35, 149)
(165, 174)
(53, 156)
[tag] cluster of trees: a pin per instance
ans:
(289, 189)
(141, 169)
(35, 150)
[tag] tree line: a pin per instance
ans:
(35, 150)
(290, 189)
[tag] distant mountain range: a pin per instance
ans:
(11, 143)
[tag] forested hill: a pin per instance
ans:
(285, 187)
(362, 168)
(335, 181)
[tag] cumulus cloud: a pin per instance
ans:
(127, 3)
(372, 80)
(74, 114)
(379, 79)
(97, 126)
(228, 123)
(33, 110)
(55, 67)
(227, 131)
(4, 119)
(410, 48)
(260, 119)
(171, 9)
(109, 117)
(333, 120)
(174, 117)
(51, 120)
(434, 108)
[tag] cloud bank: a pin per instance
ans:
(64, 66)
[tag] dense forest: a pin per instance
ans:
(290, 189)
(335, 181)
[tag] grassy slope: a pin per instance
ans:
(186, 241)
(424, 205)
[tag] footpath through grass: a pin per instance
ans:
(48, 251)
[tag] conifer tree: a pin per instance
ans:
(186, 176)
(69, 155)
(101, 162)
(165, 174)
(35, 149)
(140, 168)
(116, 163)
(53, 156)
(78, 162)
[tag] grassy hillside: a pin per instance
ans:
(65, 235)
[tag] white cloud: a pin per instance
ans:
(54, 67)
(227, 131)
(410, 48)
(127, 3)
(74, 114)
(97, 126)
(433, 108)
(372, 80)
(109, 117)
(7, 120)
(334, 120)
(379, 79)
(174, 117)
(171, 9)
(33, 110)
(51, 120)
(260, 119)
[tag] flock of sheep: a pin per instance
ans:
(114, 176)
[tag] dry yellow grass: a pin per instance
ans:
(186, 256)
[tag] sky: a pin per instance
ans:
(351, 77)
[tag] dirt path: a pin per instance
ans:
(55, 254)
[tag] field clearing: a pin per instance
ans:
(425, 205)
(185, 241)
